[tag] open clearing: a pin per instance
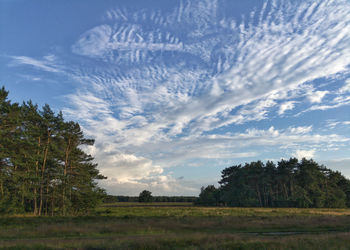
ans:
(162, 226)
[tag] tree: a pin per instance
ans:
(292, 183)
(209, 196)
(145, 196)
(43, 168)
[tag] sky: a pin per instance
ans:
(175, 91)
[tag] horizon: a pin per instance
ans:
(173, 92)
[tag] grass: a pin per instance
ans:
(149, 204)
(149, 227)
(166, 210)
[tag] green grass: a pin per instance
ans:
(136, 209)
(148, 204)
(182, 228)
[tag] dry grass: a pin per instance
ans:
(182, 228)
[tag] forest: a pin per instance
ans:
(290, 183)
(43, 168)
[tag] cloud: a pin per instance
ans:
(159, 88)
(335, 103)
(304, 154)
(211, 75)
(47, 64)
(317, 96)
(286, 106)
(341, 164)
(346, 87)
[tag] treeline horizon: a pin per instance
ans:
(290, 183)
(160, 198)
(43, 168)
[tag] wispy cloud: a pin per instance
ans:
(47, 63)
(239, 74)
(158, 88)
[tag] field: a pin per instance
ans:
(181, 226)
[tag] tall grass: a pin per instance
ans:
(182, 228)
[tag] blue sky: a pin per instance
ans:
(175, 91)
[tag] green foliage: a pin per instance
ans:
(123, 198)
(145, 196)
(43, 169)
(209, 196)
(289, 184)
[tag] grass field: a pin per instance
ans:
(162, 226)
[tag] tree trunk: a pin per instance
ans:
(65, 175)
(42, 174)
(259, 195)
(46, 198)
(285, 191)
(35, 202)
(52, 202)
(2, 189)
(36, 175)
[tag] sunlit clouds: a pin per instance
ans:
(165, 89)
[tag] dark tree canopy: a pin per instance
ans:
(145, 196)
(290, 183)
(43, 168)
(209, 196)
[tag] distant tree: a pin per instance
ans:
(209, 196)
(145, 196)
(291, 183)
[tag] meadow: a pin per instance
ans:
(181, 226)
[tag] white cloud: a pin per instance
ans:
(48, 64)
(126, 167)
(305, 154)
(286, 106)
(346, 87)
(256, 66)
(317, 96)
(335, 103)
(164, 92)
(301, 130)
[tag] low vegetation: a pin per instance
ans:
(182, 228)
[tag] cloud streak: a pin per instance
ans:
(162, 87)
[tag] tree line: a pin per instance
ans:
(125, 198)
(43, 168)
(290, 183)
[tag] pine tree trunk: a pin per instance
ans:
(285, 191)
(259, 195)
(35, 202)
(65, 175)
(46, 198)
(42, 174)
(52, 202)
(2, 189)
(36, 175)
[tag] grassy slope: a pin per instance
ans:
(183, 227)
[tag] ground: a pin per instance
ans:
(181, 226)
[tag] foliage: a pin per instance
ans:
(209, 196)
(145, 196)
(289, 184)
(43, 168)
(123, 198)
